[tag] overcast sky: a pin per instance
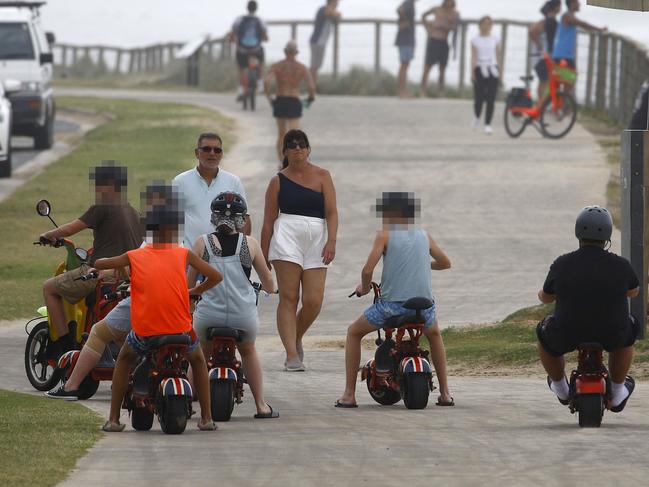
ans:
(130, 23)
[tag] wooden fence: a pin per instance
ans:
(615, 65)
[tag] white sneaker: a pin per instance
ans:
(475, 124)
(488, 130)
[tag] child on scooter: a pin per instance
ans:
(406, 251)
(160, 304)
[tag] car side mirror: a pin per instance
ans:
(11, 86)
(43, 208)
(47, 58)
(51, 38)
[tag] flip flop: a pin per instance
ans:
(564, 402)
(629, 383)
(111, 427)
(344, 405)
(446, 404)
(270, 415)
(209, 426)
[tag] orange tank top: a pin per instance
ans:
(159, 294)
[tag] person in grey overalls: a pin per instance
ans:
(233, 303)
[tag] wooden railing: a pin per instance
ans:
(615, 66)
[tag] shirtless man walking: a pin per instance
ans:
(287, 106)
(446, 20)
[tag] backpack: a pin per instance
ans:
(250, 32)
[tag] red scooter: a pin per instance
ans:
(400, 368)
(225, 372)
(590, 386)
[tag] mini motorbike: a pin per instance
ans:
(225, 372)
(159, 386)
(40, 362)
(400, 368)
(103, 371)
(590, 386)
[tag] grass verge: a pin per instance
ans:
(41, 440)
(154, 140)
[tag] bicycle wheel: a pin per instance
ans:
(515, 122)
(557, 121)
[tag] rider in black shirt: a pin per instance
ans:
(591, 287)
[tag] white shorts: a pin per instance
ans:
(298, 239)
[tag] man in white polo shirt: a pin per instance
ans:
(200, 185)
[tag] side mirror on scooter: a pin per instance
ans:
(82, 254)
(43, 208)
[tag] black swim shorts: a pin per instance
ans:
(558, 340)
(436, 52)
(287, 107)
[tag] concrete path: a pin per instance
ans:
(503, 210)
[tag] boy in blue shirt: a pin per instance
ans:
(407, 266)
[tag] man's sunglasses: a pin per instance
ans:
(207, 149)
(295, 144)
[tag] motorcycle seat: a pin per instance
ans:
(590, 346)
(401, 320)
(418, 304)
(162, 340)
(224, 332)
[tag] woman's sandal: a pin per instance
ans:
(439, 402)
(270, 415)
(112, 427)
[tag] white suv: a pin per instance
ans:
(26, 56)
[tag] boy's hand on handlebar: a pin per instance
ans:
(47, 239)
(362, 292)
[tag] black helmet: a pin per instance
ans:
(594, 223)
(229, 203)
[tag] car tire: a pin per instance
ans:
(5, 166)
(44, 136)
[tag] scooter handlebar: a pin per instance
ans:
(88, 277)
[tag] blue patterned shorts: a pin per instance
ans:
(140, 345)
(382, 310)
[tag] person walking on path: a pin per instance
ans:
(325, 19)
(406, 252)
(446, 21)
(200, 185)
(298, 239)
(249, 33)
(405, 42)
(233, 304)
(542, 34)
(565, 43)
(289, 75)
(486, 60)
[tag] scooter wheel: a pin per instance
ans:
(87, 388)
(416, 389)
(141, 419)
(384, 396)
(591, 410)
(173, 419)
(41, 374)
(222, 399)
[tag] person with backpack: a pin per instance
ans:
(249, 32)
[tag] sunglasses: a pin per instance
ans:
(295, 145)
(207, 149)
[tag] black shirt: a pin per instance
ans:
(295, 199)
(591, 286)
(406, 35)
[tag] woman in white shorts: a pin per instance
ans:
(232, 304)
(299, 239)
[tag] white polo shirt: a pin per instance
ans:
(197, 197)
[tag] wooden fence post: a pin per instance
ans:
(602, 62)
(294, 31)
(503, 47)
(377, 46)
(64, 56)
(612, 86)
(590, 71)
(463, 32)
(336, 48)
(528, 60)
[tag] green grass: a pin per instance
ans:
(41, 439)
(155, 141)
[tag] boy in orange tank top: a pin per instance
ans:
(160, 305)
